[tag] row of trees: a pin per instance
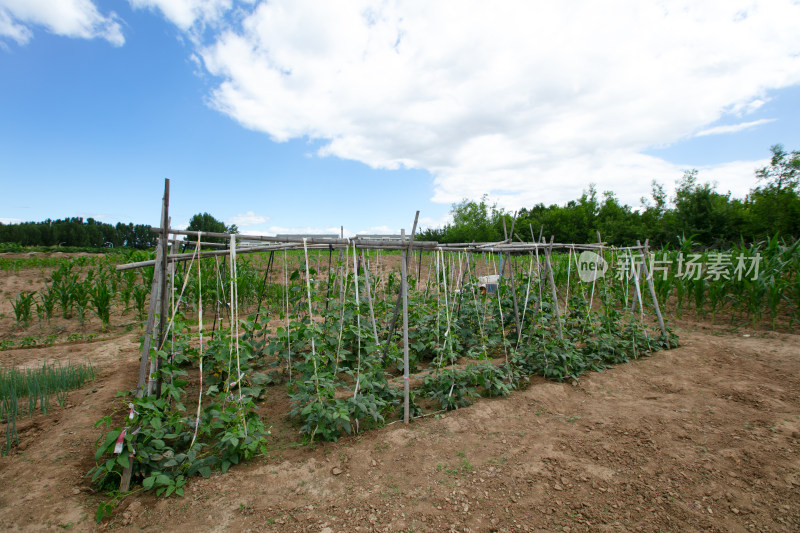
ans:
(697, 210)
(78, 232)
(90, 233)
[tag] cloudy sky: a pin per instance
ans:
(293, 115)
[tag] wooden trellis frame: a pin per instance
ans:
(159, 301)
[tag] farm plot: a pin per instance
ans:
(464, 344)
(339, 369)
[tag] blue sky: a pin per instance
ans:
(304, 116)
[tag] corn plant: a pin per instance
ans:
(126, 289)
(47, 298)
(101, 294)
(140, 293)
(80, 295)
(22, 308)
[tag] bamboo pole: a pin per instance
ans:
(299, 240)
(404, 259)
(638, 292)
(499, 247)
(527, 297)
(142, 384)
(155, 364)
(550, 278)
(145, 381)
(392, 244)
(185, 243)
(594, 278)
(182, 257)
(369, 300)
(149, 330)
(511, 281)
(404, 295)
(637, 277)
(330, 280)
(173, 310)
(263, 285)
(653, 294)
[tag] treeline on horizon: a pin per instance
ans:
(697, 211)
(79, 233)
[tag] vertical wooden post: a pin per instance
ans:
(157, 295)
(153, 386)
(330, 279)
(171, 298)
(507, 261)
(404, 295)
(553, 285)
(404, 260)
(264, 285)
(638, 277)
(369, 300)
(594, 278)
(538, 272)
(142, 386)
(652, 287)
(144, 382)
(340, 269)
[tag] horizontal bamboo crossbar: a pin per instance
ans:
(335, 243)
(298, 240)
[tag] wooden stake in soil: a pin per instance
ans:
(164, 241)
(397, 305)
(547, 252)
(141, 387)
(264, 285)
(404, 296)
(653, 292)
(369, 301)
(511, 284)
(145, 382)
(200, 353)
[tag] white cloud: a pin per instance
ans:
(380, 230)
(247, 219)
(9, 28)
(70, 18)
(98, 217)
(10, 220)
(733, 128)
(525, 101)
(308, 230)
(735, 176)
(433, 222)
(187, 13)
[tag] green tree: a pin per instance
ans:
(775, 205)
(475, 222)
(657, 219)
(206, 223)
(711, 218)
(574, 222)
(617, 223)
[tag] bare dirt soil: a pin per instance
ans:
(704, 437)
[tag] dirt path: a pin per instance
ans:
(701, 438)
